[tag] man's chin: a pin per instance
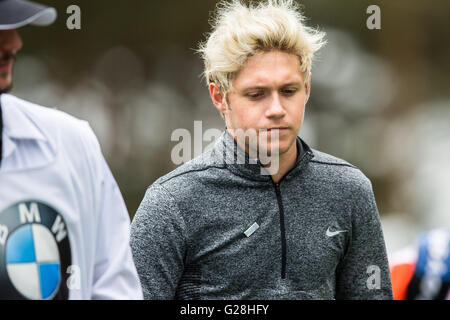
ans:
(5, 89)
(5, 82)
(275, 149)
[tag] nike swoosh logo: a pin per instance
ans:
(334, 233)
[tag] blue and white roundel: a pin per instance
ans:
(33, 261)
(35, 253)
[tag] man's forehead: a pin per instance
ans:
(266, 79)
(274, 67)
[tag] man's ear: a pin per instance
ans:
(217, 97)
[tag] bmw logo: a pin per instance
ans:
(34, 252)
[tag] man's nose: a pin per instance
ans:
(275, 109)
(10, 40)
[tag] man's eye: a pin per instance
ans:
(255, 95)
(289, 92)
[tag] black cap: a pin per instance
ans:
(18, 13)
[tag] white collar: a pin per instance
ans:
(22, 121)
(16, 123)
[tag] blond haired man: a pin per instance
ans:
(221, 229)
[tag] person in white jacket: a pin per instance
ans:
(64, 227)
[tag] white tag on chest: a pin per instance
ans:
(251, 230)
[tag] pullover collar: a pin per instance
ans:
(240, 163)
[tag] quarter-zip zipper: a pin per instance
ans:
(281, 210)
(282, 231)
(282, 224)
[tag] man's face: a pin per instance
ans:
(269, 95)
(10, 43)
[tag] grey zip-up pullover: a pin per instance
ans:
(212, 229)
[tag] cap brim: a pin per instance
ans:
(18, 13)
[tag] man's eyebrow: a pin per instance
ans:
(254, 88)
(294, 83)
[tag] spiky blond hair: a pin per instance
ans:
(241, 30)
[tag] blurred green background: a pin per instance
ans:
(380, 98)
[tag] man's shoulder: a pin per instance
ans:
(51, 117)
(330, 161)
(53, 123)
(191, 175)
(330, 167)
(200, 165)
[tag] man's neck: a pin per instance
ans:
(286, 162)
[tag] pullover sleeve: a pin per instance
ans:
(363, 273)
(158, 244)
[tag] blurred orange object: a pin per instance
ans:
(401, 275)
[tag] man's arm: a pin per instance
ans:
(114, 273)
(363, 273)
(158, 244)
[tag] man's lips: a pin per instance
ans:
(6, 65)
(6, 60)
(279, 129)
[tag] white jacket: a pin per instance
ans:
(64, 227)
